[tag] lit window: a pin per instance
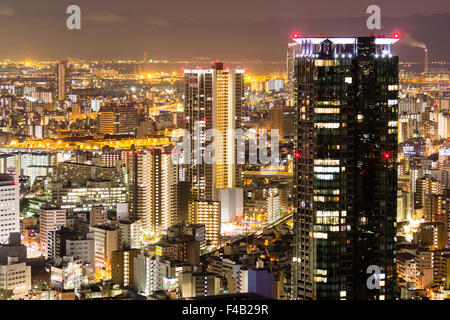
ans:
(324, 177)
(392, 87)
(320, 235)
(327, 110)
(327, 125)
(326, 169)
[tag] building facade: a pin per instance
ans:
(9, 209)
(345, 178)
(214, 99)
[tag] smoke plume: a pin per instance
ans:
(413, 42)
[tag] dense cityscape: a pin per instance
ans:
(327, 170)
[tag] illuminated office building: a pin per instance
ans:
(444, 125)
(432, 235)
(66, 242)
(198, 284)
(79, 174)
(345, 180)
(82, 199)
(118, 120)
(424, 186)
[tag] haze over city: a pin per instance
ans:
(234, 30)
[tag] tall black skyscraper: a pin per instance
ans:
(345, 167)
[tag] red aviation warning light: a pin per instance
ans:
(295, 35)
(396, 35)
(386, 156)
(297, 155)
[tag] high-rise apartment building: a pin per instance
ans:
(276, 119)
(140, 188)
(62, 81)
(345, 178)
(214, 99)
(110, 157)
(208, 214)
(9, 210)
(130, 236)
(49, 220)
(151, 179)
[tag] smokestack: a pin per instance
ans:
(410, 41)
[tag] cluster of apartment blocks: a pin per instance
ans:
(424, 195)
(150, 185)
(424, 191)
(82, 195)
(423, 266)
(422, 271)
(171, 268)
(424, 115)
(90, 243)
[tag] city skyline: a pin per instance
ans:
(199, 151)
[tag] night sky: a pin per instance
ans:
(244, 30)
